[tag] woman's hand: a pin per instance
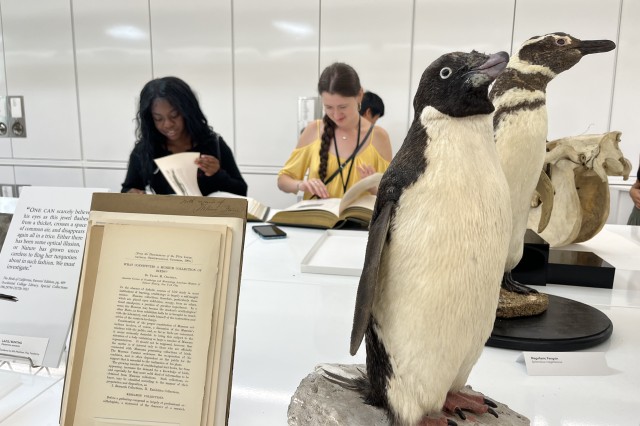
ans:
(315, 187)
(208, 164)
(135, 191)
(366, 170)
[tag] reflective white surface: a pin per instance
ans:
(5, 142)
(49, 176)
(627, 90)
(578, 99)
(113, 61)
(375, 38)
(39, 65)
(202, 56)
(289, 321)
(275, 62)
(81, 65)
(442, 27)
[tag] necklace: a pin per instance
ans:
(344, 138)
(350, 159)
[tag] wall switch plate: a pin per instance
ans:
(17, 126)
(7, 189)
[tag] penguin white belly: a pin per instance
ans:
(440, 274)
(522, 158)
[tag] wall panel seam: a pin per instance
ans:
(75, 79)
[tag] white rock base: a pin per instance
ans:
(319, 401)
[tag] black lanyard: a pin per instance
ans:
(350, 160)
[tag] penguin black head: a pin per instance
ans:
(457, 83)
(559, 51)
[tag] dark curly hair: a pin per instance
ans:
(181, 97)
(336, 79)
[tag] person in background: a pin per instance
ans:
(634, 193)
(340, 149)
(169, 121)
(372, 107)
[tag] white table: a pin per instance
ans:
(290, 321)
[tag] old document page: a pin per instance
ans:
(145, 360)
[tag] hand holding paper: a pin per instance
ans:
(208, 164)
(181, 171)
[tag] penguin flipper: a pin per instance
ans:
(378, 232)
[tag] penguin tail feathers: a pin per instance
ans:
(350, 377)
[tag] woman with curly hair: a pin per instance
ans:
(342, 148)
(169, 121)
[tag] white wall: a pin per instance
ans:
(80, 65)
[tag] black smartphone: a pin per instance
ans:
(269, 232)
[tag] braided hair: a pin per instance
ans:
(340, 79)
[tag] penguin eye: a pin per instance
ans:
(445, 73)
(560, 42)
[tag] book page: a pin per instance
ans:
(365, 202)
(330, 205)
(147, 344)
(189, 210)
(256, 211)
(363, 185)
(181, 172)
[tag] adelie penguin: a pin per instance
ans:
(520, 123)
(437, 244)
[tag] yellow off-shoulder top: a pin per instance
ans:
(307, 158)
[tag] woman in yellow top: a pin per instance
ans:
(326, 146)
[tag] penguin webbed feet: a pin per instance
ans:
(457, 403)
(510, 284)
(442, 421)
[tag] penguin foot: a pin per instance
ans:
(509, 284)
(441, 421)
(458, 402)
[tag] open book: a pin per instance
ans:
(256, 211)
(355, 207)
(154, 327)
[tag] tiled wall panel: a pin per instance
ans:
(5, 142)
(49, 176)
(193, 42)
(104, 178)
(39, 64)
(113, 55)
(625, 112)
(352, 32)
(442, 27)
(579, 99)
(249, 61)
(276, 61)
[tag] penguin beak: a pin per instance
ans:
(496, 63)
(587, 47)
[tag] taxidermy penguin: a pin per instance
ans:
(520, 124)
(437, 244)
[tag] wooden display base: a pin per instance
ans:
(566, 325)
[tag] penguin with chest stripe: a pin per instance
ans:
(437, 244)
(520, 124)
